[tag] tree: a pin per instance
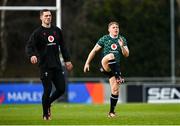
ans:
(4, 51)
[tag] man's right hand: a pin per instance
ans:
(33, 59)
(86, 68)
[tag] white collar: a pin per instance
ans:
(112, 36)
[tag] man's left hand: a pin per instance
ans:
(121, 43)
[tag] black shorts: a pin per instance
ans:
(108, 74)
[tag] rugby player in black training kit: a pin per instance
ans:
(43, 47)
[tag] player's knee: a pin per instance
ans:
(61, 91)
(108, 57)
(111, 56)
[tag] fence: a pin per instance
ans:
(135, 80)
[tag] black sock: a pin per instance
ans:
(114, 68)
(45, 104)
(113, 102)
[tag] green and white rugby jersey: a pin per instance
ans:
(111, 45)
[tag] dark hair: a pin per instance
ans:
(44, 10)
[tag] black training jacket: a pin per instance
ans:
(47, 44)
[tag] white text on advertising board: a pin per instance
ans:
(24, 96)
(166, 95)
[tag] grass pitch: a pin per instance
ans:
(82, 114)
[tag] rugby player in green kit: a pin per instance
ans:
(113, 46)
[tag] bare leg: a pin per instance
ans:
(109, 64)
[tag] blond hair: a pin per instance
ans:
(113, 22)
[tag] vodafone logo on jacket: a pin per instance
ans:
(51, 38)
(113, 46)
